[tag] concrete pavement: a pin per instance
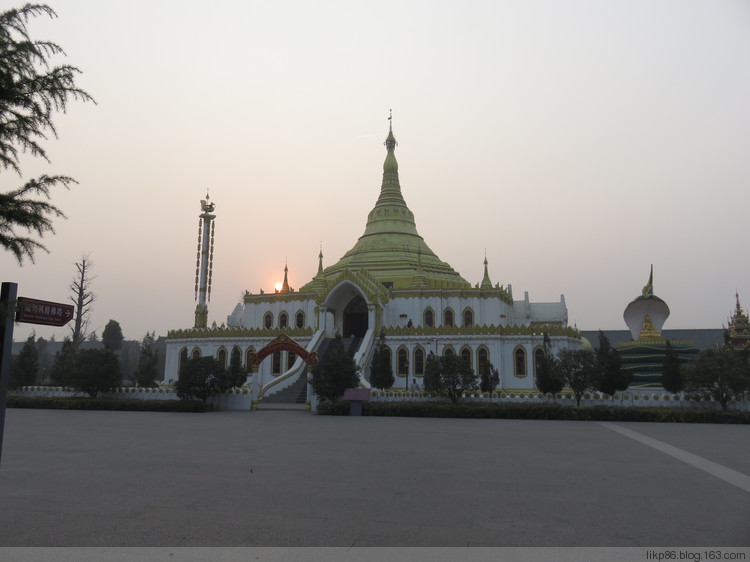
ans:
(291, 478)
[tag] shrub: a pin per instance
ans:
(82, 403)
(536, 411)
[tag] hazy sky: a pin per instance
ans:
(575, 142)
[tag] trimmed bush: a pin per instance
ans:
(536, 412)
(83, 403)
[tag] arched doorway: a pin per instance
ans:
(355, 318)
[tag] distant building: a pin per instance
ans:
(644, 354)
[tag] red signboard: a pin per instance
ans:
(33, 311)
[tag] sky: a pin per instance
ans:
(573, 143)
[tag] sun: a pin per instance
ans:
(278, 286)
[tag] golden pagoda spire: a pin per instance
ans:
(486, 283)
(285, 285)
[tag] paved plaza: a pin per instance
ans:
(291, 478)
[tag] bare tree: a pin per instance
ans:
(83, 298)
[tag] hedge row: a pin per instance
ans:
(535, 412)
(83, 403)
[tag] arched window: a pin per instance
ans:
(466, 355)
(448, 317)
(267, 320)
(429, 318)
(403, 362)
(236, 358)
(419, 361)
(538, 358)
(276, 363)
(183, 358)
(299, 320)
(388, 357)
(221, 357)
(247, 356)
(468, 317)
(196, 353)
(291, 357)
(483, 356)
(519, 355)
(448, 351)
(283, 320)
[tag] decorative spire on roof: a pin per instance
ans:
(285, 288)
(320, 259)
(486, 283)
(738, 331)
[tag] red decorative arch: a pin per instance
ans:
(282, 343)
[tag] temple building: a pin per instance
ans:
(390, 282)
(644, 354)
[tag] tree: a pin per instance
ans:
(148, 362)
(25, 366)
(489, 377)
(112, 336)
(95, 371)
(83, 298)
(449, 375)
(549, 378)
(381, 370)
(334, 373)
(62, 368)
(672, 378)
(31, 91)
(577, 368)
(202, 377)
(610, 376)
(720, 374)
(237, 374)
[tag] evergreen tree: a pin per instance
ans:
(720, 374)
(334, 373)
(61, 372)
(672, 378)
(24, 368)
(450, 376)
(432, 374)
(489, 377)
(32, 89)
(610, 376)
(95, 371)
(202, 377)
(381, 370)
(577, 368)
(148, 362)
(237, 374)
(549, 378)
(112, 337)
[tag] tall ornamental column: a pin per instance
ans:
(204, 262)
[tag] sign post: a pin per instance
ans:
(30, 311)
(46, 313)
(7, 304)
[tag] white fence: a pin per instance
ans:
(234, 399)
(242, 398)
(641, 398)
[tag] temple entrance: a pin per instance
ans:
(294, 389)
(355, 318)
